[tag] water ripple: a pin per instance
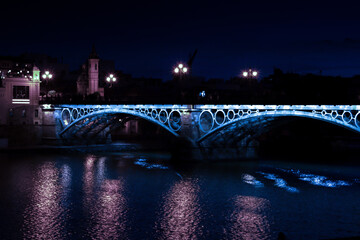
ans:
(279, 182)
(317, 180)
(44, 217)
(249, 179)
(181, 212)
(142, 162)
(249, 220)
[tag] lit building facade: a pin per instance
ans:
(19, 97)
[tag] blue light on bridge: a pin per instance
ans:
(207, 118)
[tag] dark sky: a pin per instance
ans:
(147, 38)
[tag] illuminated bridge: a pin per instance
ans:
(203, 125)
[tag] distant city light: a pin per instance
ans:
(202, 94)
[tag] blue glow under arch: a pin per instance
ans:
(277, 114)
(112, 112)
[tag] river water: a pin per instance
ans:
(142, 196)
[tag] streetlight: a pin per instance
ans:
(110, 79)
(180, 69)
(250, 73)
(46, 76)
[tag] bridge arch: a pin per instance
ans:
(351, 123)
(107, 117)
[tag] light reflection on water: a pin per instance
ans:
(88, 181)
(249, 220)
(97, 197)
(109, 212)
(42, 218)
(181, 212)
(104, 202)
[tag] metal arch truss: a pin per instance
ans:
(208, 118)
(167, 116)
(215, 117)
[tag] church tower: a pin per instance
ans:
(93, 72)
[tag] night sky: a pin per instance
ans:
(147, 38)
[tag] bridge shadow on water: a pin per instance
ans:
(295, 138)
(298, 139)
(309, 140)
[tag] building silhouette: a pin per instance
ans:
(88, 81)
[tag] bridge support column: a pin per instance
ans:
(49, 127)
(189, 124)
(186, 147)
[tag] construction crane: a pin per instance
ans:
(191, 59)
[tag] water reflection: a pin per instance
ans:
(249, 179)
(100, 175)
(88, 180)
(249, 220)
(43, 218)
(104, 203)
(110, 212)
(317, 179)
(65, 183)
(181, 212)
(279, 182)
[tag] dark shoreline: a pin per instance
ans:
(140, 148)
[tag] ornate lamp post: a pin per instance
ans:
(111, 79)
(250, 73)
(180, 71)
(47, 76)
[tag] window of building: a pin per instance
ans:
(11, 112)
(95, 66)
(23, 114)
(20, 92)
(36, 113)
